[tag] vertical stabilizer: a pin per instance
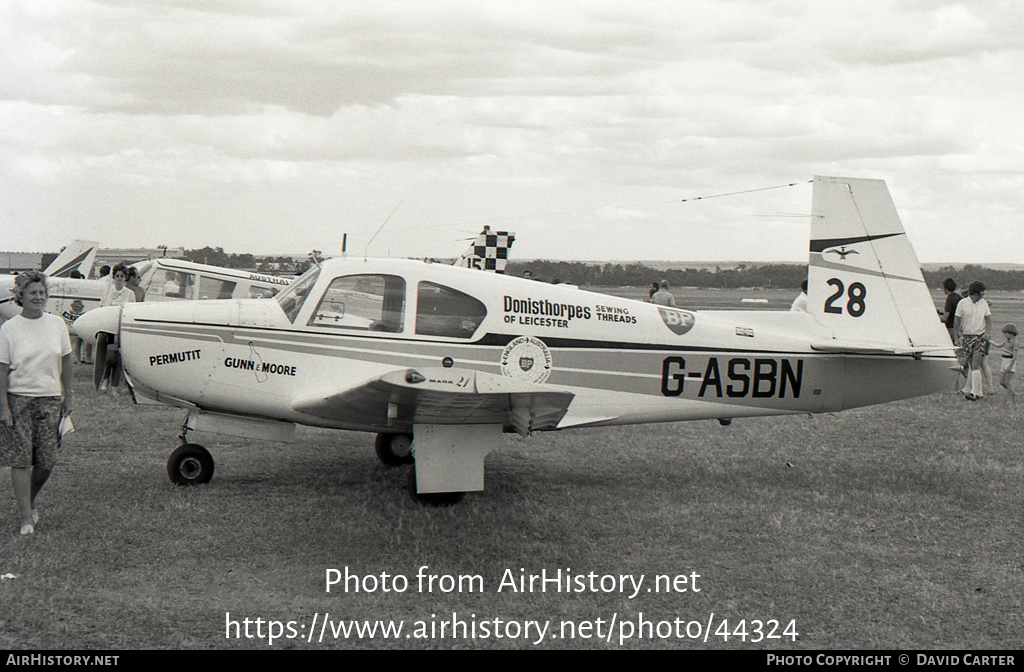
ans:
(489, 252)
(78, 256)
(864, 279)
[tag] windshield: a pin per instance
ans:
(291, 299)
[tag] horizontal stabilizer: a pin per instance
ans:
(837, 346)
(439, 396)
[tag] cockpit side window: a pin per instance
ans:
(362, 302)
(291, 299)
(443, 311)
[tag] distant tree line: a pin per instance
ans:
(216, 256)
(993, 278)
(784, 276)
(779, 276)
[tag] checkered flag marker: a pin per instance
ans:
(489, 252)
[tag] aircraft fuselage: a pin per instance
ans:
(624, 361)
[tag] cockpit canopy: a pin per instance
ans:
(369, 301)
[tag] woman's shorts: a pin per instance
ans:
(34, 440)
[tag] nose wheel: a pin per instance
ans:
(190, 463)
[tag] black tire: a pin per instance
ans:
(431, 498)
(190, 464)
(394, 450)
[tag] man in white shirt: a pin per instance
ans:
(972, 324)
(663, 297)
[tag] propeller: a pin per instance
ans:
(99, 325)
(99, 358)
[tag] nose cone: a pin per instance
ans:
(96, 320)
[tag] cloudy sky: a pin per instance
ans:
(275, 126)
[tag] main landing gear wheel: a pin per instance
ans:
(394, 449)
(190, 464)
(431, 498)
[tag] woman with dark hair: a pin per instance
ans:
(35, 392)
(118, 295)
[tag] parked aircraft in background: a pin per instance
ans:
(78, 256)
(439, 362)
(162, 279)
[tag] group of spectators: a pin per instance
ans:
(969, 321)
(660, 294)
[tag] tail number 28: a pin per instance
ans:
(855, 295)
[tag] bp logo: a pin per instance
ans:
(526, 358)
(678, 321)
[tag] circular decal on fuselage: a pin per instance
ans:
(526, 358)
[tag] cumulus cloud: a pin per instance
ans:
(466, 112)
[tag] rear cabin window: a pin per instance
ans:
(443, 311)
(362, 302)
(167, 284)
(215, 288)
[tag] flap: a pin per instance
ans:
(404, 397)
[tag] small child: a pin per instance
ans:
(1009, 346)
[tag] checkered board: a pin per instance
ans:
(490, 251)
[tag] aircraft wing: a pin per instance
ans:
(405, 397)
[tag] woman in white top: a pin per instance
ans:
(118, 295)
(35, 392)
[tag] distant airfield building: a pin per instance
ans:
(16, 262)
(115, 255)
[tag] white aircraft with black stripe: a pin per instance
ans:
(161, 279)
(439, 361)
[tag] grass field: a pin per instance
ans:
(897, 526)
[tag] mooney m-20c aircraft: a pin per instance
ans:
(440, 361)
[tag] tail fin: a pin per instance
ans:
(79, 255)
(864, 279)
(489, 252)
